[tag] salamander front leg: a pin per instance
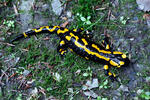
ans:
(106, 43)
(62, 48)
(86, 34)
(108, 73)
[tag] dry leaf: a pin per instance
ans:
(65, 24)
(90, 84)
(147, 18)
(25, 50)
(90, 94)
(46, 38)
(15, 9)
(144, 4)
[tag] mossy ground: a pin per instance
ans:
(129, 34)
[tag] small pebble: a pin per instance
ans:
(26, 72)
(69, 14)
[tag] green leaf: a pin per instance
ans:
(88, 17)
(88, 22)
(83, 19)
(85, 74)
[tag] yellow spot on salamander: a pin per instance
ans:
(71, 50)
(68, 38)
(105, 67)
(103, 41)
(84, 41)
(76, 37)
(103, 51)
(114, 75)
(109, 73)
(75, 30)
(25, 35)
(62, 52)
(107, 47)
(117, 52)
(90, 52)
(119, 66)
(121, 63)
(38, 30)
(53, 29)
(86, 58)
(123, 56)
(62, 31)
(113, 63)
(62, 42)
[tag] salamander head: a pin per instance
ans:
(119, 59)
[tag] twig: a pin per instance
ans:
(12, 75)
(8, 44)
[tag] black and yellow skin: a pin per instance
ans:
(84, 47)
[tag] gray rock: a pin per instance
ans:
(26, 17)
(45, 7)
(56, 6)
(26, 72)
(69, 14)
(143, 4)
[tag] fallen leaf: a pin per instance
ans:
(123, 88)
(57, 76)
(65, 24)
(143, 4)
(51, 98)
(15, 9)
(90, 94)
(26, 72)
(33, 94)
(42, 90)
(78, 71)
(25, 50)
(31, 81)
(46, 38)
(90, 84)
(147, 18)
(70, 90)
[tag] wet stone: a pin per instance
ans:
(26, 17)
(26, 72)
(135, 18)
(69, 14)
(116, 98)
(56, 6)
(45, 7)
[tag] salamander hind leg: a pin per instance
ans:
(112, 76)
(62, 48)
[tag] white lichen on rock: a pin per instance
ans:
(143, 4)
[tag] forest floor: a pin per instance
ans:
(31, 68)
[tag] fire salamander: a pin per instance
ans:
(84, 47)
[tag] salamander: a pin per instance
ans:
(83, 46)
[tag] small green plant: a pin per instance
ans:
(85, 7)
(9, 23)
(88, 72)
(104, 85)
(144, 94)
(124, 20)
(84, 20)
(19, 97)
(100, 98)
